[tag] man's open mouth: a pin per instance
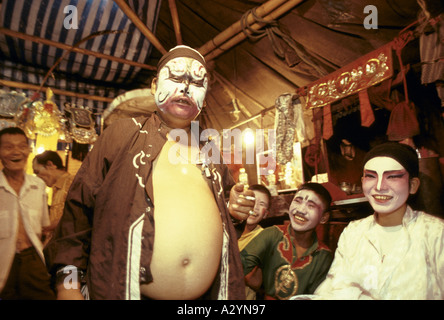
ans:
(182, 101)
(381, 197)
(298, 217)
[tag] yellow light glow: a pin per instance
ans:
(43, 143)
(249, 137)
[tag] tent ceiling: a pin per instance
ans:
(322, 36)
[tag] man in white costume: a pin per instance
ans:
(396, 253)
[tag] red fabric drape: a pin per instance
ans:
(328, 124)
(367, 116)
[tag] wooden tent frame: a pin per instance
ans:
(226, 40)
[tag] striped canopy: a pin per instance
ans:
(99, 26)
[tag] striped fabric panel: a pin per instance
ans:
(10, 71)
(45, 19)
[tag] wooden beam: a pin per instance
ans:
(63, 46)
(176, 23)
(140, 25)
(28, 86)
(236, 38)
(236, 27)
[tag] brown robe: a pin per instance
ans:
(107, 227)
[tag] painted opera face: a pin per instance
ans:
(387, 185)
(306, 211)
(260, 208)
(179, 90)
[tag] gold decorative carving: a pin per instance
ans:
(365, 72)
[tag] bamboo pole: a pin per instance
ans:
(63, 46)
(236, 27)
(176, 23)
(256, 26)
(140, 25)
(28, 86)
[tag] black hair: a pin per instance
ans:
(400, 152)
(320, 190)
(13, 130)
(52, 156)
(262, 188)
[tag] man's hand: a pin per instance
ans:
(69, 294)
(241, 202)
(254, 279)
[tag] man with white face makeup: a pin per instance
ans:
(396, 253)
(180, 87)
(160, 229)
(251, 229)
(292, 259)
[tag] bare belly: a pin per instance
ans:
(188, 232)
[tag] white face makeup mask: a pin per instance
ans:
(385, 184)
(181, 87)
(306, 210)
